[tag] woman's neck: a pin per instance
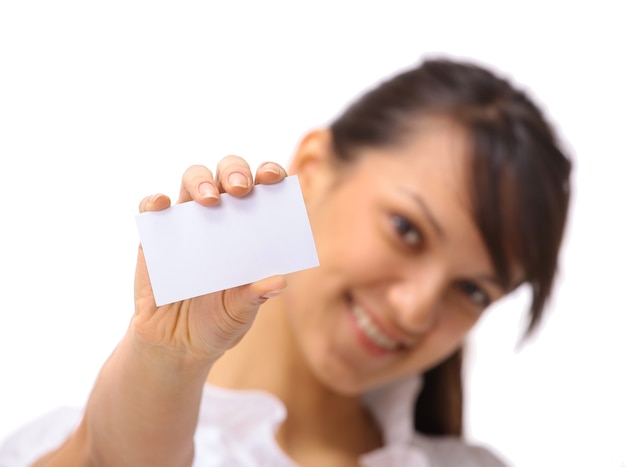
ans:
(268, 358)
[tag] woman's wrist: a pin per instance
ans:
(147, 398)
(177, 362)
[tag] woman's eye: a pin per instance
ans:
(475, 293)
(407, 231)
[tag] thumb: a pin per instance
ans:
(269, 287)
(242, 303)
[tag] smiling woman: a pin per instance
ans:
(516, 189)
(436, 194)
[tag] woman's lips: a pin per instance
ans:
(374, 334)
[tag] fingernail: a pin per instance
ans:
(271, 168)
(237, 179)
(273, 293)
(207, 190)
(153, 198)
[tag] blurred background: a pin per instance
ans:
(102, 103)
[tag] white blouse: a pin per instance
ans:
(237, 428)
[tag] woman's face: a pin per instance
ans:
(403, 273)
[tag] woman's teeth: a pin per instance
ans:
(372, 331)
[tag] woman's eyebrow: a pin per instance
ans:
(493, 280)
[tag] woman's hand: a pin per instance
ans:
(202, 328)
(143, 409)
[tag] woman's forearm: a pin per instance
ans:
(143, 410)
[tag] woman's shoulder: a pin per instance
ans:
(392, 407)
(427, 451)
(443, 451)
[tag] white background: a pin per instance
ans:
(104, 103)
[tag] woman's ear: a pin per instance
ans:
(313, 162)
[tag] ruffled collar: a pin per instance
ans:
(240, 426)
(392, 407)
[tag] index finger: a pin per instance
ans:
(199, 185)
(234, 176)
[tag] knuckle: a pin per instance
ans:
(233, 163)
(142, 204)
(196, 172)
(232, 307)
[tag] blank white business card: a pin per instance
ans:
(192, 250)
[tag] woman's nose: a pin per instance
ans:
(416, 302)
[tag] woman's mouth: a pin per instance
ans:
(371, 330)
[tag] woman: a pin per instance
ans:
(433, 196)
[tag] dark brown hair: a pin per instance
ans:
(519, 186)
